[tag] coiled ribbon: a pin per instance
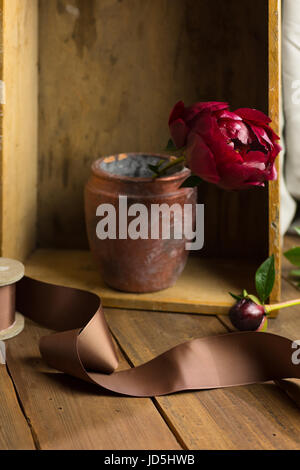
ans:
(83, 347)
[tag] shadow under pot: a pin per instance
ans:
(134, 232)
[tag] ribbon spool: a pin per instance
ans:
(11, 322)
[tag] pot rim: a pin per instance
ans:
(136, 179)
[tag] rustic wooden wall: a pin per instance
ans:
(19, 127)
(110, 71)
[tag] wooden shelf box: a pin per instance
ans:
(86, 78)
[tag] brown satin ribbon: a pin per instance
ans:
(83, 348)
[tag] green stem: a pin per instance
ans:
(290, 303)
(169, 165)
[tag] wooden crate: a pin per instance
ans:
(85, 78)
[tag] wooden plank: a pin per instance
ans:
(274, 99)
(202, 288)
(286, 324)
(288, 321)
(66, 413)
(250, 417)
(14, 430)
(18, 160)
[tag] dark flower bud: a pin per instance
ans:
(247, 315)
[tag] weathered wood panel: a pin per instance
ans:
(19, 122)
(69, 414)
(286, 324)
(274, 99)
(249, 417)
(110, 72)
(202, 288)
(14, 430)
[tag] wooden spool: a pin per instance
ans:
(11, 271)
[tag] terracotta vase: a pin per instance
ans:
(136, 265)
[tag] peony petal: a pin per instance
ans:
(255, 156)
(272, 135)
(261, 166)
(241, 176)
(235, 130)
(253, 115)
(200, 159)
(225, 114)
(176, 112)
(262, 136)
(275, 151)
(252, 183)
(273, 175)
(233, 176)
(190, 113)
(211, 106)
(206, 125)
(179, 132)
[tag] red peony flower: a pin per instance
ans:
(234, 150)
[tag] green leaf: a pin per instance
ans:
(297, 230)
(293, 255)
(295, 272)
(265, 278)
(171, 147)
(254, 299)
(191, 182)
(236, 297)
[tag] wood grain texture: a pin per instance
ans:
(249, 417)
(252, 417)
(65, 413)
(121, 67)
(286, 324)
(19, 128)
(14, 430)
(202, 288)
(288, 321)
(274, 101)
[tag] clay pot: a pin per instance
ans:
(136, 265)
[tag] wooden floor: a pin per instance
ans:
(44, 409)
